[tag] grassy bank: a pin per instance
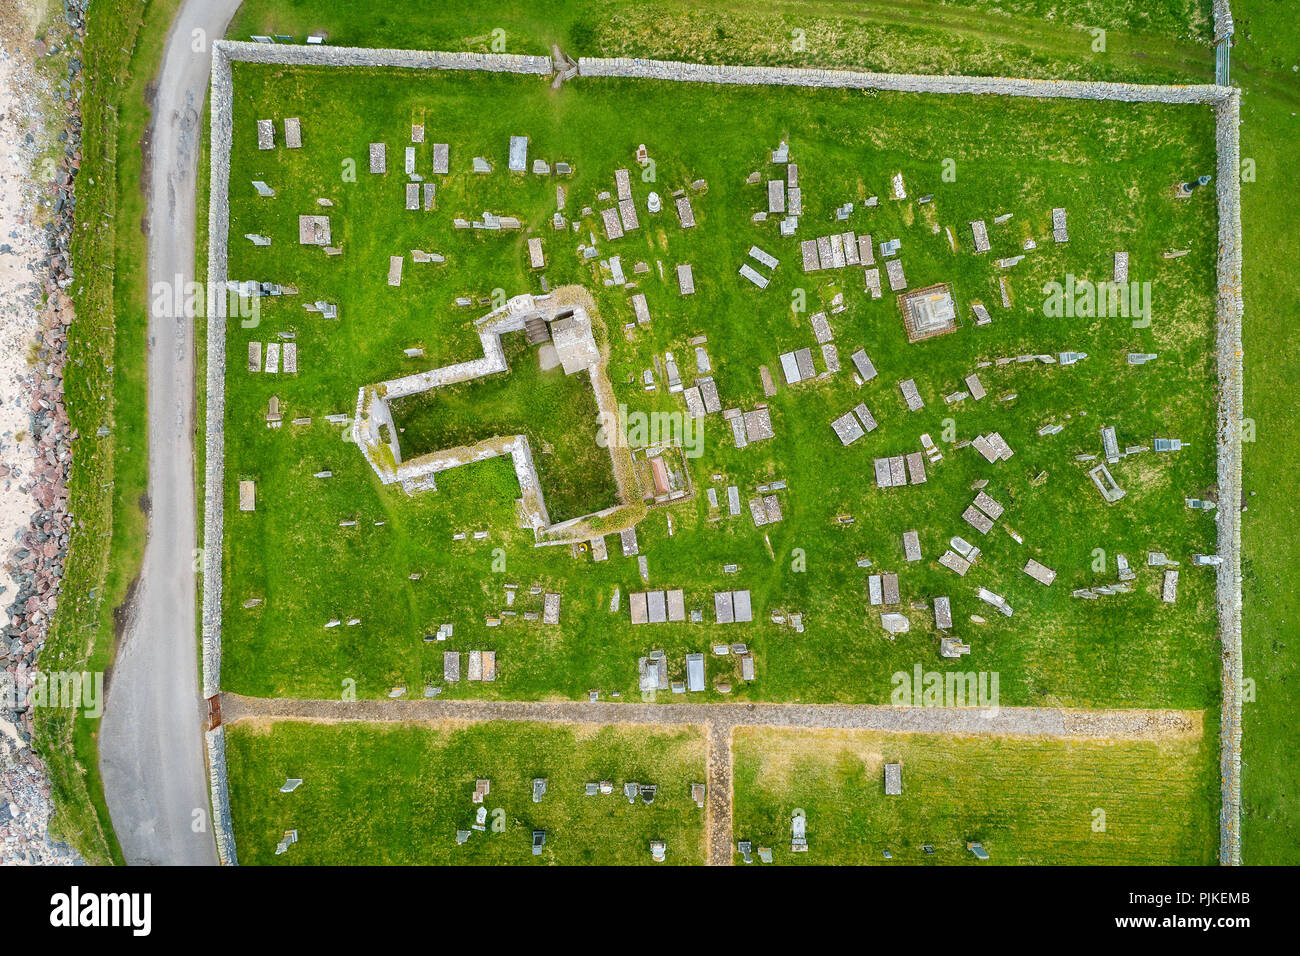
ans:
(1264, 62)
(1163, 41)
(104, 386)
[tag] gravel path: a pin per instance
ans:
(720, 794)
(1008, 721)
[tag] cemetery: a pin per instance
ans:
(598, 433)
(440, 489)
(723, 245)
(470, 794)
(881, 799)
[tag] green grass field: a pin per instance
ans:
(397, 794)
(1264, 62)
(1149, 42)
(1112, 166)
(1027, 801)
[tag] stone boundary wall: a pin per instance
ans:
(1223, 26)
(1229, 311)
(1231, 415)
(214, 421)
(325, 55)
(214, 439)
(222, 827)
(637, 68)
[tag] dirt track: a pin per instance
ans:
(958, 721)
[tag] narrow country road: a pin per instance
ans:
(151, 739)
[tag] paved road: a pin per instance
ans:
(151, 740)
(1007, 721)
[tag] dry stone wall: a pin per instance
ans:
(1230, 421)
(637, 68)
(214, 423)
(214, 440)
(1223, 26)
(221, 826)
(325, 55)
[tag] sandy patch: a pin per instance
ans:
(22, 272)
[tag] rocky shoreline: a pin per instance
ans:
(39, 461)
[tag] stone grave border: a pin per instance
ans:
(1229, 310)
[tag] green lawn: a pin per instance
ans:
(397, 794)
(1158, 41)
(1264, 64)
(1111, 165)
(1026, 801)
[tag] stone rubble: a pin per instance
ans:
(34, 564)
(26, 807)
